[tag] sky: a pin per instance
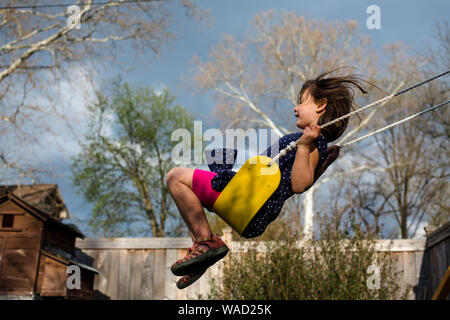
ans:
(410, 22)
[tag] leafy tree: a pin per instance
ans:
(123, 164)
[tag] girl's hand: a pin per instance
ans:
(310, 133)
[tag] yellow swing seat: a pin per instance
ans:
(247, 192)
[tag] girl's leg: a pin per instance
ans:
(179, 182)
(205, 252)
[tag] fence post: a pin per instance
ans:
(227, 235)
(438, 245)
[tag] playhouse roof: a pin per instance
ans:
(42, 196)
(37, 212)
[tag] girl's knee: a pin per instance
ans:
(179, 174)
(171, 175)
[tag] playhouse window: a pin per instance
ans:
(7, 221)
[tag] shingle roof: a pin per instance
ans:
(41, 214)
(42, 196)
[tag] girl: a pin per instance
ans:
(319, 101)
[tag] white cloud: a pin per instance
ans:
(159, 87)
(71, 95)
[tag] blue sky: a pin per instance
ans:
(411, 22)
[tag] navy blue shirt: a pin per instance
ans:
(271, 209)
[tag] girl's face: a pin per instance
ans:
(308, 112)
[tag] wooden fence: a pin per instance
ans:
(139, 268)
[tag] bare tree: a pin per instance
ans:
(436, 54)
(39, 47)
(368, 204)
(406, 192)
(413, 163)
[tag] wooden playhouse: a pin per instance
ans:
(36, 248)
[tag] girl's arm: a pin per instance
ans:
(306, 160)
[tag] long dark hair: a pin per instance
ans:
(339, 95)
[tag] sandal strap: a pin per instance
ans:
(195, 251)
(211, 237)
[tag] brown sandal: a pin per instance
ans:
(186, 281)
(198, 259)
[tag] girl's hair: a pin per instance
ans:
(339, 95)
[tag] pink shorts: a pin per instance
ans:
(201, 185)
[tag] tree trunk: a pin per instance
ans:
(308, 206)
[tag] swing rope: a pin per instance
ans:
(293, 144)
(394, 124)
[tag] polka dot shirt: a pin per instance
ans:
(271, 209)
